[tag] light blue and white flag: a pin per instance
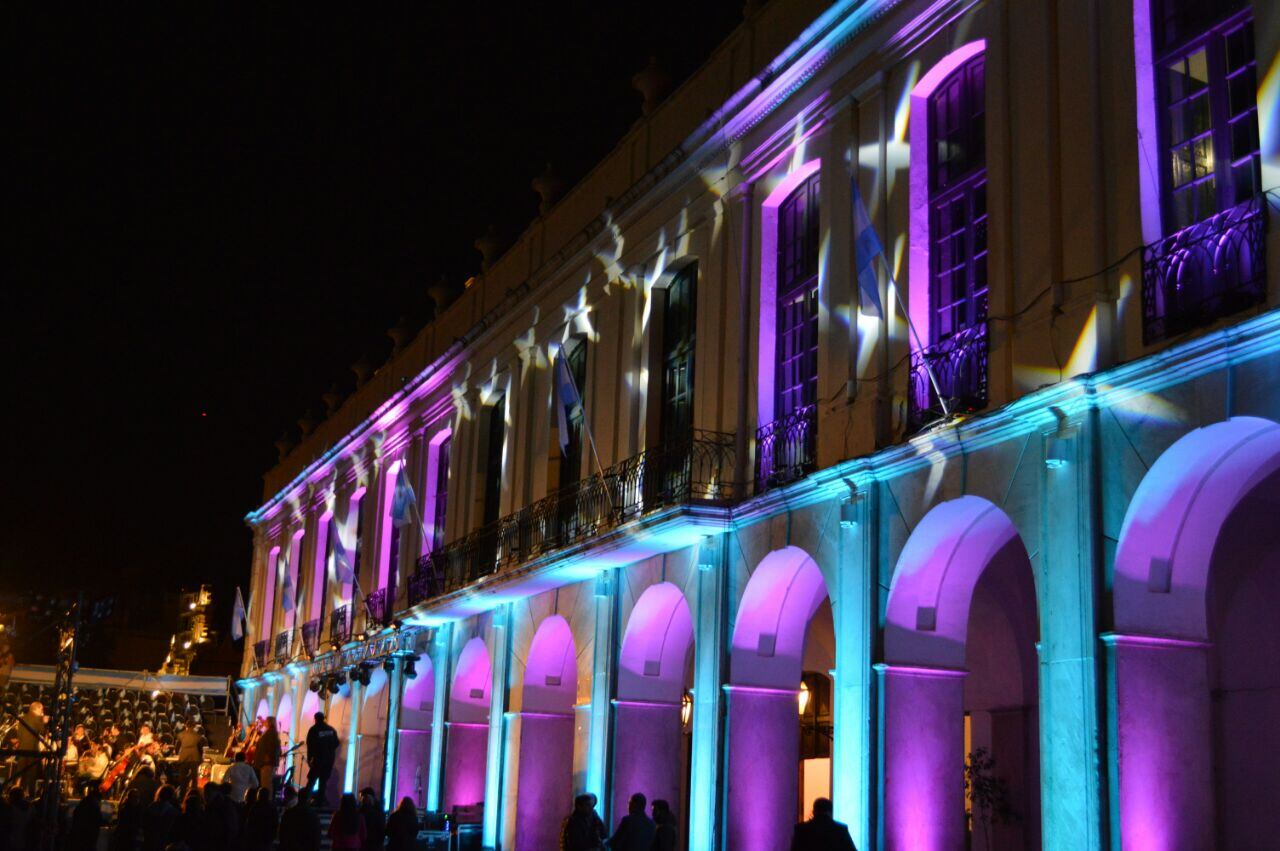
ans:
(404, 501)
(566, 396)
(341, 561)
(239, 619)
(866, 247)
(286, 590)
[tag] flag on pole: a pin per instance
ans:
(239, 620)
(341, 561)
(404, 501)
(567, 397)
(286, 590)
(866, 247)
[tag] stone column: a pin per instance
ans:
(710, 629)
(603, 666)
(395, 689)
(439, 706)
(1161, 727)
(853, 610)
(922, 745)
(500, 653)
(761, 786)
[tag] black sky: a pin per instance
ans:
(217, 214)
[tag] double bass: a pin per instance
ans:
(117, 769)
(250, 743)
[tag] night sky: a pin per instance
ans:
(216, 216)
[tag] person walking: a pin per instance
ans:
(636, 831)
(299, 826)
(666, 836)
(266, 755)
(822, 832)
(375, 820)
(346, 830)
(582, 830)
(322, 750)
(402, 827)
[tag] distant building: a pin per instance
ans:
(779, 571)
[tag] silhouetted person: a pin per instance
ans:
(666, 836)
(375, 820)
(86, 821)
(346, 831)
(29, 731)
(822, 832)
(582, 830)
(128, 823)
(158, 820)
(636, 831)
(190, 752)
(21, 815)
(322, 749)
(402, 827)
(260, 823)
(145, 782)
(190, 827)
(300, 825)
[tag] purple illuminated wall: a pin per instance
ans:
(413, 754)
(467, 741)
(1195, 579)
(769, 635)
(649, 742)
(545, 786)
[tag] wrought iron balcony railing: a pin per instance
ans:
(340, 625)
(1204, 272)
(284, 646)
(695, 470)
(377, 607)
(262, 652)
(787, 449)
(311, 637)
(959, 364)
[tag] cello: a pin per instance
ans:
(117, 769)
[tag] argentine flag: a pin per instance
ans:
(567, 397)
(341, 561)
(238, 617)
(403, 500)
(866, 247)
(286, 590)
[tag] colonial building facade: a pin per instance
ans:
(896, 410)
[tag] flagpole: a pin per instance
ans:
(933, 379)
(586, 426)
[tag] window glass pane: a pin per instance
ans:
(1246, 179)
(1243, 91)
(1240, 46)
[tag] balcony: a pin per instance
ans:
(377, 607)
(311, 637)
(284, 646)
(689, 473)
(262, 653)
(959, 364)
(1204, 272)
(787, 449)
(340, 625)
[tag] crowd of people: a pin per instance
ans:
(583, 830)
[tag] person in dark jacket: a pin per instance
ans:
(190, 751)
(260, 823)
(666, 836)
(375, 820)
(402, 827)
(30, 730)
(191, 828)
(322, 750)
(86, 821)
(299, 826)
(582, 830)
(158, 820)
(822, 832)
(346, 828)
(636, 831)
(145, 782)
(124, 837)
(266, 755)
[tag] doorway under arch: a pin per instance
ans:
(1194, 684)
(655, 672)
(413, 752)
(371, 762)
(960, 680)
(545, 781)
(467, 750)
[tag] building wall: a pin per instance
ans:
(1079, 411)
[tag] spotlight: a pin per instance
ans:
(363, 674)
(410, 671)
(388, 664)
(353, 674)
(335, 685)
(314, 685)
(361, 636)
(397, 625)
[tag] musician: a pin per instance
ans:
(190, 751)
(111, 740)
(266, 756)
(80, 744)
(30, 732)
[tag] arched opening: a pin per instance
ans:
(413, 759)
(467, 748)
(284, 723)
(655, 673)
(371, 765)
(339, 717)
(960, 688)
(545, 780)
(263, 710)
(780, 628)
(1195, 687)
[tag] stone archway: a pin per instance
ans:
(467, 749)
(766, 664)
(961, 626)
(654, 669)
(1194, 684)
(413, 753)
(544, 787)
